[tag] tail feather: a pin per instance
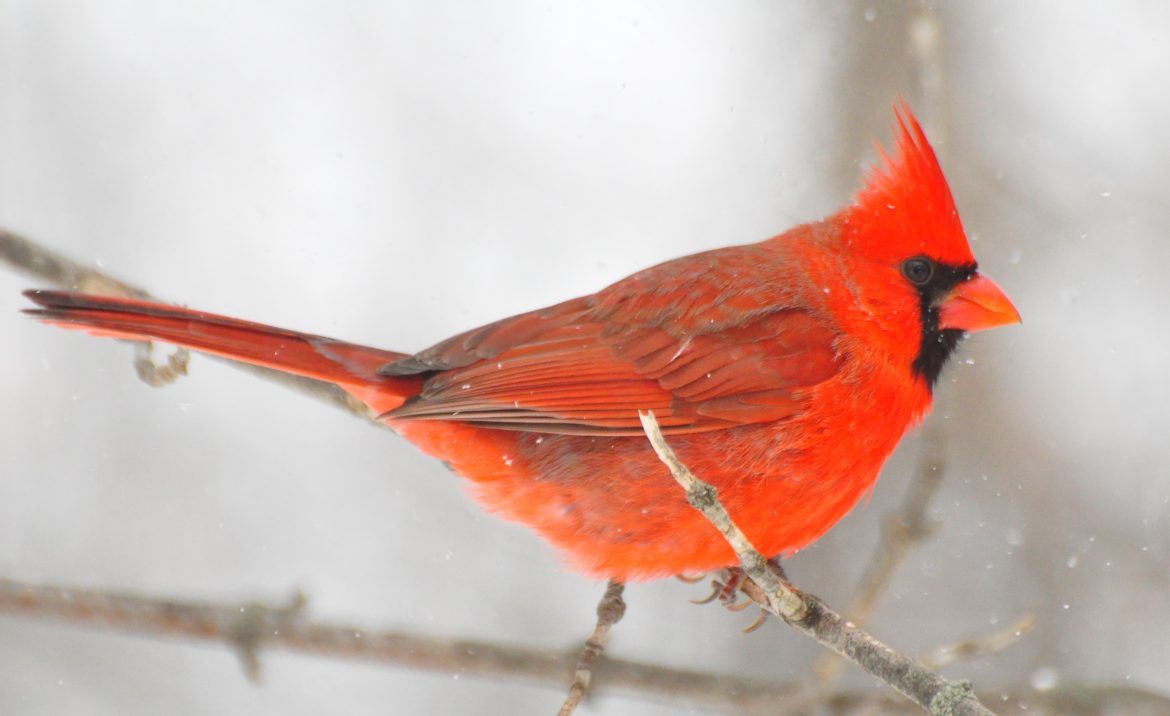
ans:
(352, 367)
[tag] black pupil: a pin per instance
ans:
(918, 270)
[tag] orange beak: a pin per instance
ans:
(976, 305)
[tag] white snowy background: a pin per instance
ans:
(395, 172)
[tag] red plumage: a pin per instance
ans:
(784, 372)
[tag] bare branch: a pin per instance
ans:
(610, 611)
(250, 628)
(811, 616)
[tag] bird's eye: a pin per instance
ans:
(918, 270)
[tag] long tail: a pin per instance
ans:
(352, 367)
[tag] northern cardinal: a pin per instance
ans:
(782, 372)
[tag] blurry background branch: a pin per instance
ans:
(252, 627)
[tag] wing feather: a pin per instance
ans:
(562, 370)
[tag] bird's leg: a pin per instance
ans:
(727, 585)
(724, 588)
(733, 579)
(774, 563)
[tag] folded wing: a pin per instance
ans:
(566, 370)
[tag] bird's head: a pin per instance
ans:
(905, 233)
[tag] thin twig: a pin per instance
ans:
(996, 642)
(610, 611)
(809, 614)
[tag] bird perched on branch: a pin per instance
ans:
(783, 372)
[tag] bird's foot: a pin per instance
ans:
(725, 587)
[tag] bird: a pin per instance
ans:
(782, 372)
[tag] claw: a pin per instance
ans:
(690, 578)
(741, 606)
(715, 593)
(759, 622)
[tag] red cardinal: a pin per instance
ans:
(783, 372)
